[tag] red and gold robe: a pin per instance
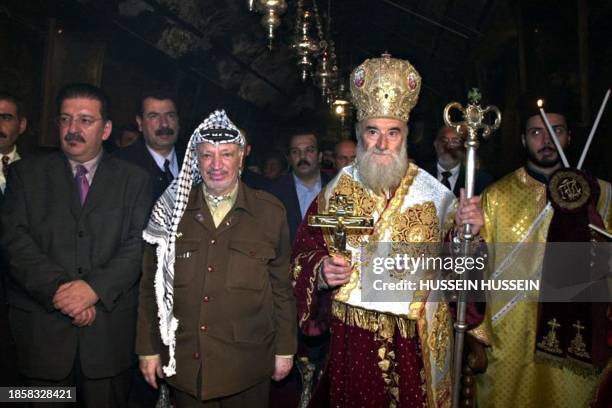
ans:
(381, 353)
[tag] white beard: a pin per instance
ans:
(381, 177)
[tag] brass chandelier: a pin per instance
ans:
(312, 45)
(272, 11)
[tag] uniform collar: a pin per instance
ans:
(243, 198)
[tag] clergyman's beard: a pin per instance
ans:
(381, 177)
(543, 163)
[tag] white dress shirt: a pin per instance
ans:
(452, 180)
(159, 160)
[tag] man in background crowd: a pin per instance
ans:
(12, 124)
(248, 176)
(274, 166)
(127, 135)
(297, 189)
(344, 153)
(449, 168)
(156, 152)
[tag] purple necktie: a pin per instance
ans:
(81, 182)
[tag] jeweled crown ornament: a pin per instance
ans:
(385, 87)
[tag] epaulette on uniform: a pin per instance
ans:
(265, 196)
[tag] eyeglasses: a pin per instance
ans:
(82, 122)
(559, 130)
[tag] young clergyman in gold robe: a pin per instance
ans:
(524, 368)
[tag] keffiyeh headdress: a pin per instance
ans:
(166, 215)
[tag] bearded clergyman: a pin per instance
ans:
(381, 353)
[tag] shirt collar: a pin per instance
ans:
(12, 155)
(315, 186)
(90, 165)
(454, 171)
(159, 159)
(213, 201)
(196, 199)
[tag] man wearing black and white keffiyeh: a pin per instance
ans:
(216, 305)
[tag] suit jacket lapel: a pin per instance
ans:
(460, 181)
(104, 178)
(65, 182)
(295, 202)
(148, 158)
(180, 156)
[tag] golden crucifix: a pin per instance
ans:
(341, 217)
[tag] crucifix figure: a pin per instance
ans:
(550, 341)
(577, 346)
(341, 216)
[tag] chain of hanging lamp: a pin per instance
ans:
(272, 11)
(316, 54)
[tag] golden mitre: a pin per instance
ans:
(385, 88)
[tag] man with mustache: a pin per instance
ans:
(216, 314)
(71, 226)
(12, 124)
(156, 151)
(381, 353)
(449, 168)
(523, 209)
(297, 189)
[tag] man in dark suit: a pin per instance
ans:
(156, 151)
(297, 189)
(449, 168)
(216, 303)
(12, 124)
(71, 226)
